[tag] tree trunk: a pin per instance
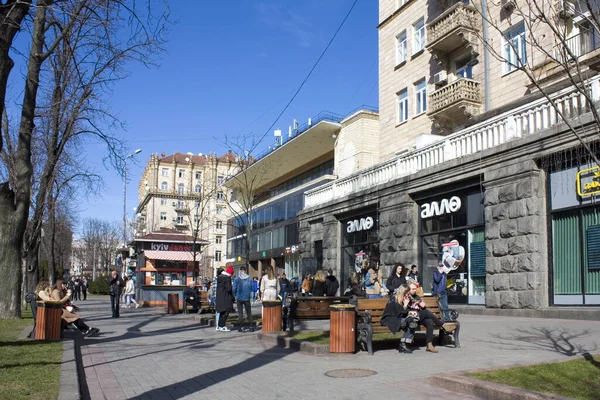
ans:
(32, 264)
(11, 237)
(52, 240)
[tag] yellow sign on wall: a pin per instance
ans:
(588, 181)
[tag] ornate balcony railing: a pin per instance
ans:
(458, 16)
(519, 122)
(461, 90)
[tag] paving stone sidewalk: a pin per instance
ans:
(148, 354)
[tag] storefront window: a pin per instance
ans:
(360, 245)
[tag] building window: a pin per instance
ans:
(164, 186)
(403, 106)
(163, 216)
(217, 256)
(218, 239)
(163, 202)
(220, 196)
(219, 225)
(514, 50)
(180, 188)
(165, 172)
(180, 204)
(181, 173)
(195, 233)
(197, 189)
(464, 69)
(420, 96)
(196, 219)
(179, 220)
(221, 210)
(220, 179)
(419, 36)
(198, 175)
(401, 48)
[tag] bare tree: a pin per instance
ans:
(558, 37)
(86, 42)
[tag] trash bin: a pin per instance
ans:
(271, 318)
(173, 303)
(47, 321)
(342, 335)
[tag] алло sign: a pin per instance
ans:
(445, 206)
(357, 225)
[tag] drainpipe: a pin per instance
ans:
(486, 56)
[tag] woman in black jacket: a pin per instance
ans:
(224, 298)
(395, 279)
(319, 285)
(396, 317)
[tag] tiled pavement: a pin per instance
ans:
(147, 354)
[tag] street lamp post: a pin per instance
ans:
(138, 151)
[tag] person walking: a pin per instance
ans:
(129, 293)
(243, 287)
(307, 285)
(77, 288)
(331, 284)
(254, 290)
(71, 287)
(269, 285)
(84, 285)
(224, 298)
(284, 287)
(115, 288)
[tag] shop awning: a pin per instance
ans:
(170, 255)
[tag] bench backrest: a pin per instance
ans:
(312, 307)
(375, 307)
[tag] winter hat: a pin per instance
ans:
(229, 270)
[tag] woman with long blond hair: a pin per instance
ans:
(398, 317)
(62, 295)
(269, 285)
(319, 285)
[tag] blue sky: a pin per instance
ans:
(229, 69)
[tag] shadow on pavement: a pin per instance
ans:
(198, 383)
(561, 341)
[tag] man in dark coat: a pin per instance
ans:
(224, 298)
(190, 294)
(331, 284)
(115, 288)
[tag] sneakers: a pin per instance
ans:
(223, 329)
(91, 332)
(404, 348)
(137, 305)
(241, 330)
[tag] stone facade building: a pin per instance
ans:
(471, 149)
(184, 192)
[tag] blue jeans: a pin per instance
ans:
(443, 302)
(374, 296)
(254, 296)
(283, 294)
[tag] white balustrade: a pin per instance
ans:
(514, 124)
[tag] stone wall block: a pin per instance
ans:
(534, 281)
(499, 248)
(530, 299)
(387, 245)
(507, 264)
(507, 193)
(492, 231)
(405, 243)
(528, 225)
(492, 266)
(499, 213)
(491, 197)
(500, 282)
(523, 244)
(525, 189)
(518, 281)
(534, 207)
(518, 209)
(508, 228)
(492, 299)
(509, 299)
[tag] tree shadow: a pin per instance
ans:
(590, 358)
(203, 381)
(561, 341)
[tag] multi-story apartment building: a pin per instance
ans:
(269, 194)
(185, 192)
(485, 134)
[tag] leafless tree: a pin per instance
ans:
(78, 48)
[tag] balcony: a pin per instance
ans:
(455, 27)
(455, 103)
(577, 47)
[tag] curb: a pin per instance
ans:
(211, 321)
(279, 339)
(70, 388)
(488, 390)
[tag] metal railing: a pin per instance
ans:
(493, 132)
(576, 46)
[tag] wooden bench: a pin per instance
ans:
(204, 304)
(311, 307)
(369, 312)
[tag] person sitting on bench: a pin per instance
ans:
(62, 295)
(192, 297)
(426, 317)
(396, 317)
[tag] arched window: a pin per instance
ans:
(197, 189)
(180, 188)
(164, 186)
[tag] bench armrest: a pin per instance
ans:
(365, 316)
(453, 313)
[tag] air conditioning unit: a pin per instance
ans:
(507, 5)
(440, 79)
(565, 9)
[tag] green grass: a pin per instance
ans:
(322, 337)
(28, 369)
(579, 379)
